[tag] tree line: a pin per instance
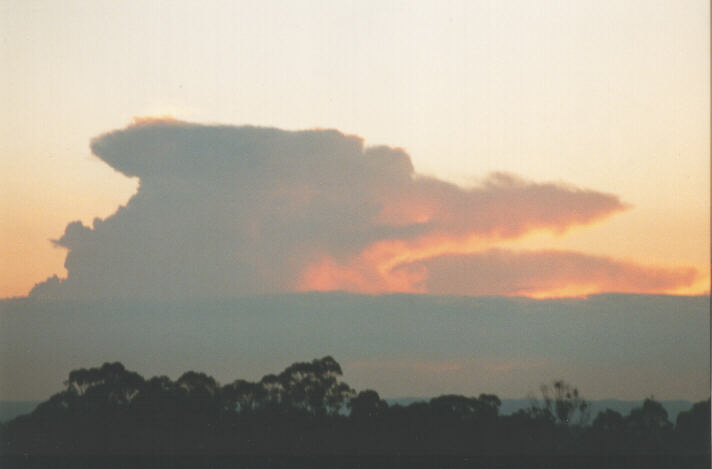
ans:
(308, 409)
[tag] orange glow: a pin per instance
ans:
(327, 275)
(583, 291)
(375, 270)
(700, 287)
(566, 291)
(147, 120)
(388, 255)
(379, 269)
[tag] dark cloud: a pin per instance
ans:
(624, 346)
(223, 211)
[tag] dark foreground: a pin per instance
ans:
(306, 416)
(360, 461)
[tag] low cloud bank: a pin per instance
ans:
(623, 346)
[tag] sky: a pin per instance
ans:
(175, 151)
(611, 97)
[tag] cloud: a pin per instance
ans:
(224, 211)
(651, 343)
(544, 274)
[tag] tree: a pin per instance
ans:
(198, 392)
(652, 416)
(158, 396)
(367, 404)
(693, 426)
(197, 384)
(649, 426)
(57, 405)
(273, 393)
(486, 407)
(609, 421)
(244, 397)
(563, 401)
(312, 387)
(608, 431)
(109, 385)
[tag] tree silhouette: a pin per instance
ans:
(649, 427)
(312, 387)
(563, 401)
(244, 397)
(198, 393)
(367, 404)
(307, 409)
(693, 427)
(111, 384)
(609, 421)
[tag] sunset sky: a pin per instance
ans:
(540, 134)
(446, 196)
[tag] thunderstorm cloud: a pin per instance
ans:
(226, 211)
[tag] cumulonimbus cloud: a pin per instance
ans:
(225, 211)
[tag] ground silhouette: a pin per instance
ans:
(308, 410)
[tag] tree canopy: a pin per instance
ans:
(308, 409)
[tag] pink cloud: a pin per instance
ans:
(544, 273)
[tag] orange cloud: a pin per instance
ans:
(545, 274)
(375, 270)
(448, 266)
(504, 206)
(456, 221)
(150, 120)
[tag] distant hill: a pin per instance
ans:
(11, 409)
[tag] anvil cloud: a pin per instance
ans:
(228, 211)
